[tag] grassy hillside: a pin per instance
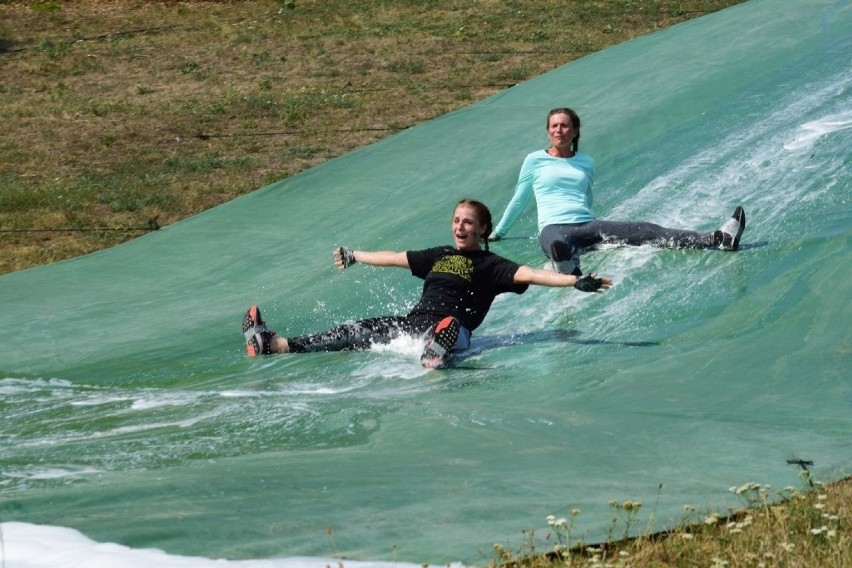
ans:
(122, 115)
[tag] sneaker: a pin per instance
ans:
(564, 259)
(728, 237)
(258, 336)
(444, 336)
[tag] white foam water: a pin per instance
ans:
(25, 545)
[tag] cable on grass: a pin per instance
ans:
(152, 225)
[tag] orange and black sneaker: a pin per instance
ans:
(258, 336)
(440, 343)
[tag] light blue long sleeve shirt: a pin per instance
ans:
(562, 188)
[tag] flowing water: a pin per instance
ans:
(131, 414)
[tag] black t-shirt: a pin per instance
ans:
(461, 284)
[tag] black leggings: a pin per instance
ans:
(582, 236)
(363, 334)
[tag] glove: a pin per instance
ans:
(344, 257)
(493, 237)
(588, 283)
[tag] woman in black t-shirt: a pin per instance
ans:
(459, 285)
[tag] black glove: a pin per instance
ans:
(347, 256)
(588, 283)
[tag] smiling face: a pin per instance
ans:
(467, 228)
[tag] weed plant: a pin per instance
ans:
(810, 527)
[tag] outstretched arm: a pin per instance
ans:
(589, 283)
(523, 194)
(346, 257)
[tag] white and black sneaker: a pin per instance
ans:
(565, 259)
(728, 237)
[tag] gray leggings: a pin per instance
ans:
(583, 236)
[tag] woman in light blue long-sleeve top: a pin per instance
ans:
(561, 178)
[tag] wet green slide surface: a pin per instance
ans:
(131, 413)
